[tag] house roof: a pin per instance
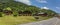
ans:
(41, 13)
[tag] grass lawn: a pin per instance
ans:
(10, 20)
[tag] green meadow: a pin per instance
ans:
(11, 20)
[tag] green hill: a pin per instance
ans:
(18, 6)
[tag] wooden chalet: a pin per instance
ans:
(7, 12)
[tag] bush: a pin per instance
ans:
(15, 14)
(0, 14)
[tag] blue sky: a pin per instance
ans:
(47, 4)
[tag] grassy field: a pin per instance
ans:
(10, 20)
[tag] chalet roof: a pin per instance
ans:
(41, 13)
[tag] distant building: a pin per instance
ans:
(40, 14)
(25, 13)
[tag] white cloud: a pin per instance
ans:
(24, 1)
(58, 7)
(44, 8)
(42, 1)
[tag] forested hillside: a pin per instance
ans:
(18, 8)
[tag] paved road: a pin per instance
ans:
(52, 21)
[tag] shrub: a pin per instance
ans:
(15, 14)
(0, 14)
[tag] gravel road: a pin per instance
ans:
(51, 21)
